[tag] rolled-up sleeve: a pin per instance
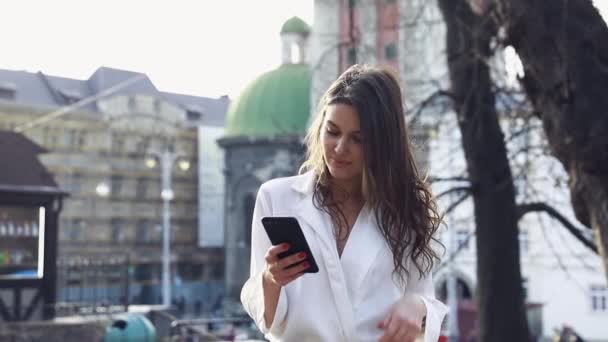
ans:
(435, 310)
(252, 294)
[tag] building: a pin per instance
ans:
(409, 36)
(30, 204)
(265, 128)
(110, 235)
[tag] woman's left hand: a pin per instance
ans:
(403, 322)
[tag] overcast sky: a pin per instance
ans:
(198, 47)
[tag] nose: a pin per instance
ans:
(341, 145)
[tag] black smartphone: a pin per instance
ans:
(287, 230)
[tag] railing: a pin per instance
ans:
(169, 328)
(214, 329)
(64, 309)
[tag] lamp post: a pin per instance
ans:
(166, 158)
(452, 287)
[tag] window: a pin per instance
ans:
(599, 298)
(76, 183)
(193, 115)
(118, 143)
(132, 104)
(81, 141)
(174, 228)
(296, 54)
(76, 230)
(117, 230)
(64, 228)
(351, 56)
(116, 185)
(50, 137)
(217, 271)
(248, 206)
(524, 241)
(7, 91)
(462, 239)
(390, 51)
(71, 137)
(141, 188)
(142, 146)
(144, 231)
(70, 95)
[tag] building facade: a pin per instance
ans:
(265, 128)
(99, 152)
(559, 275)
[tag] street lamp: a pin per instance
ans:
(166, 158)
(103, 189)
(452, 286)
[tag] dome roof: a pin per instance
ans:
(295, 25)
(276, 104)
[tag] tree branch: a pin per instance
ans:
(468, 189)
(524, 209)
(433, 179)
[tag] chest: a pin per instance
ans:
(343, 228)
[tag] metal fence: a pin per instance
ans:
(170, 328)
(91, 281)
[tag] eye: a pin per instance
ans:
(332, 133)
(356, 139)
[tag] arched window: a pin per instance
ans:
(296, 53)
(462, 289)
(248, 205)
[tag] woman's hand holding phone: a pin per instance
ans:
(281, 272)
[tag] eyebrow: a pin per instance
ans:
(336, 126)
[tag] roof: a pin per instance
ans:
(275, 104)
(295, 25)
(213, 110)
(45, 91)
(23, 171)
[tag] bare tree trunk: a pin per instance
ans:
(502, 314)
(563, 46)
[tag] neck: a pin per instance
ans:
(346, 190)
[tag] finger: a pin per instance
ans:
(288, 273)
(390, 329)
(276, 250)
(404, 335)
(411, 331)
(292, 259)
(291, 278)
(296, 269)
(273, 252)
(286, 280)
(384, 323)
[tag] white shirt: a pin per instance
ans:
(350, 294)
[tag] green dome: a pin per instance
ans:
(276, 104)
(295, 25)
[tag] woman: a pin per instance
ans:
(369, 220)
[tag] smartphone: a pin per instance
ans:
(287, 230)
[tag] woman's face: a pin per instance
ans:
(341, 139)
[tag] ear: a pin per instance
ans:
(479, 7)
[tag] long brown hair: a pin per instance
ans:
(401, 200)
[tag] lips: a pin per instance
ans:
(340, 163)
